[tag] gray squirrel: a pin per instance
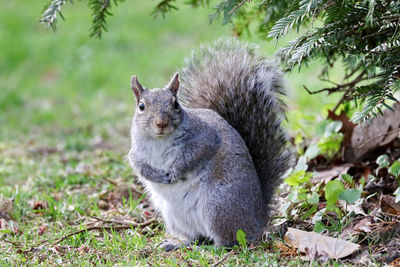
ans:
(209, 147)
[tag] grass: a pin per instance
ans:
(65, 109)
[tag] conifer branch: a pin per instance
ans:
(50, 13)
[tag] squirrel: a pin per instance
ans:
(209, 146)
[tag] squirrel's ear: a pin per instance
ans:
(173, 85)
(137, 88)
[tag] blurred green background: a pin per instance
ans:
(53, 85)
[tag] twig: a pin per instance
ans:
(338, 88)
(237, 6)
(224, 258)
(118, 185)
(17, 244)
(110, 181)
(371, 139)
(111, 227)
(341, 100)
(113, 221)
(116, 208)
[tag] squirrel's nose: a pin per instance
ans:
(161, 121)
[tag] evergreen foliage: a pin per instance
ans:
(362, 35)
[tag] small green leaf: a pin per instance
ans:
(350, 195)
(347, 178)
(241, 238)
(298, 177)
(319, 227)
(397, 194)
(312, 210)
(383, 161)
(301, 164)
(332, 191)
(312, 151)
(333, 127)
(5, 231)
(318, 216)
(395, 168)
(313, 199)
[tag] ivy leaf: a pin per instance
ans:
(301, 164)
(383, 161)
(350, 195)
(395, 168)
(332, 191)
(312, 151)
(241, 238)
(314, 198)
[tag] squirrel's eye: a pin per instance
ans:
(176, 105)
(141, 106)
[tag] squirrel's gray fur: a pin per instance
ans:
(211, 149)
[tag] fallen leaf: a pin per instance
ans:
(284, 249)
(6, 208)
(333, 248)
(331, 173)
(356, 207)
(360, 227)
(369, 136)
(395, 263)
(388, 205)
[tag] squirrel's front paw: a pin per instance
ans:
(172, 244)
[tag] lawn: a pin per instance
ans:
(65, 111)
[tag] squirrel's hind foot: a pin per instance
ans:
(174, 244)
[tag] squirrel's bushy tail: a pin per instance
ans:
(230, 78)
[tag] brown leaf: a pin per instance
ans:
(395, 263)
(368, 137)
(6, 208)
(331, 173)
(357, 228)
(39, 205)
(324, 246)
(284, 249)
(388, 205)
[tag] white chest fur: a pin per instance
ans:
(179, 205)
(179, 202)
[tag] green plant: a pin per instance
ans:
(241, 238)
(395, 169)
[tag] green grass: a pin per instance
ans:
(65, 110)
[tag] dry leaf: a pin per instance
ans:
(6, 208)
(354, 229)
(331, 173)
(368, 137)
(389, 206)
(395, 263)
(333, 248)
